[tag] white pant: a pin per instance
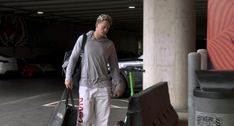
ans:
(94, 106)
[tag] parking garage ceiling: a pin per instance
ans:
(85, 12)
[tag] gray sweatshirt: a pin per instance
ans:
(97, 56)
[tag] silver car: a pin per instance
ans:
(8, 65)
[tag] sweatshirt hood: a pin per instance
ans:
(90, 35)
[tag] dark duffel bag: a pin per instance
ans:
(64, 114)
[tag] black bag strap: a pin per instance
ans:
(81, 51)
(68, 94)
(83, 42)
(63, 95)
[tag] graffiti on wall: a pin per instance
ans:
(13, 32)
(220, 34)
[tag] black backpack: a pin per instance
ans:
(77, 70)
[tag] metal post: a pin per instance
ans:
(194, 64)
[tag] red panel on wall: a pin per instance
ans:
(220, 33)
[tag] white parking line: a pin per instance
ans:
(118, 107)
(53, 104)
(25, 99)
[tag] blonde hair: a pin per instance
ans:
(104, 17)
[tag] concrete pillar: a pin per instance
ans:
(169, 35)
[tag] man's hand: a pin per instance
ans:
(117, 90)
(68, 84)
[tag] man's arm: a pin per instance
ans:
(72, 62)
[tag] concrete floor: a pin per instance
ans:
(30, 101)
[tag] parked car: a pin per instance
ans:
(8, 65)
(31, 67)
(24, 67)
(135, 67)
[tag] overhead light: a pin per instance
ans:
(40, 12)
(131, 7)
